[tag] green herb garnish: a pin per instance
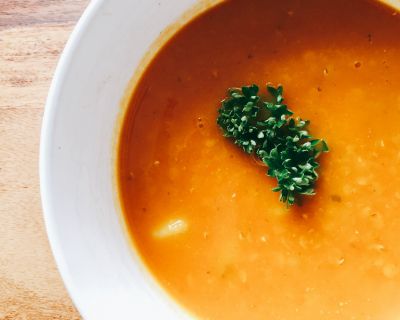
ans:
(268, 130)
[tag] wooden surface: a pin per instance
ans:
(32, 36)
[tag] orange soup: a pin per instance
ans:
(201, 212)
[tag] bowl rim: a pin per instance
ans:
(46, 139)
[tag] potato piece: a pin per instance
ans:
(171, 228)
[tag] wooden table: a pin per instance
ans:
(32, 36)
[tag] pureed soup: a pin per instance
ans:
(201, 212)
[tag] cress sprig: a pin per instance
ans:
(268, 130)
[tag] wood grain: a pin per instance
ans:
(32, 36)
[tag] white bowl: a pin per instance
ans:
(100, 269)
(99, 266)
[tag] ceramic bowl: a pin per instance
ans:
(100, 268)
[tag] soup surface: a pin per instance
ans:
(201, 212)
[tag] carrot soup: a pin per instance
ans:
(201, 212)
